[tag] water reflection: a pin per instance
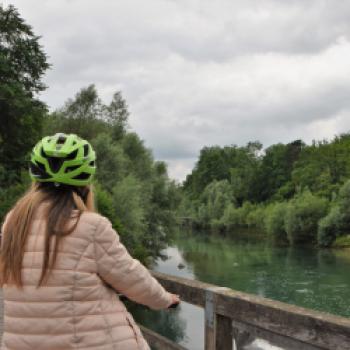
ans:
(317, 279)
(168, 323)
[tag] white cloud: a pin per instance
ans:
(204, 72)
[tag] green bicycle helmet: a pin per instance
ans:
(63, 159)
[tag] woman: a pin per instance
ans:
(62, 263)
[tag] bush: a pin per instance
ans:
(104, 203)
(256, 217)
(275, 223)
(337, 222)
(238, 217)
(216, 197)
(328, 228)
(10, 195)
(342, 242)
(231, 217)
(128, 202)
(302, 216)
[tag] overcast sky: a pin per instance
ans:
(203, 72)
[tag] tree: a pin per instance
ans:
(275, 223)
(235, 164)
(87, 116)
(302, 217)
(117, 115)
(276, 170)
(82, 115)
(22, 65)
(337, 222)
(214, 199)
(213, 164)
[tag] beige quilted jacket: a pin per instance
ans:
(78, 308)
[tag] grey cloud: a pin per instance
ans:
(205, 72)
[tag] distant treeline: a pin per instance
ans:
(294, 193)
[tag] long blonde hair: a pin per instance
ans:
(61, 200)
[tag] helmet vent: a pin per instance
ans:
(38, 169)
(61, 138)
(42, 153)
(86, 150)
(41, 167)
(71, 168)
(72, 155)
(55, 163)
(82, 176)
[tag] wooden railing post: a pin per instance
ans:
(218, 328)
(210, 321)
(224, 336)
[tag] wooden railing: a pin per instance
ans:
(240, 317)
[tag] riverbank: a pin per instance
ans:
(249, 234)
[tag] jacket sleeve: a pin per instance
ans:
(124, 273)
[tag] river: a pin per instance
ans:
(308, 277)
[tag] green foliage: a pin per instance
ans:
(22, 60)
(22, 65)
(116, 114)
(285, 188)
(127, 202)
(214, 199)
(329, 227)
(256, 217)
(275, 223)
(140, 158)
(238, 165)
(104, 204)
(342, 242)
(111, 160)
(10, 194)
(324, 166)
(236, 217)
(87, 116)
(276, 168)
(337, 222)
(302, 217)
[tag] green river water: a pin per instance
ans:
(308, 277)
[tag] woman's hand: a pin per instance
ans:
(175, 301)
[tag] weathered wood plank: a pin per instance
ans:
(311, 327)
(191, 291)
(224, 333)
(209, 321)
(218, 329)
(158, 341)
